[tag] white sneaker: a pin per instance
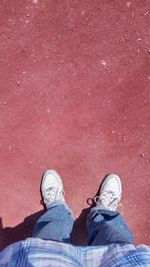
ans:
(110, 193)
(52, 187)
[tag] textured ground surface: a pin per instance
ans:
(74, 96)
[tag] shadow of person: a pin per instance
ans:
(24, 230)
(80, 233)
(21, 231)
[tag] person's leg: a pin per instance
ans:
(106, 225)
(57, 222)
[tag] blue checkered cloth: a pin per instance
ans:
(36, 252)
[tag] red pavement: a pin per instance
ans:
(74, 96)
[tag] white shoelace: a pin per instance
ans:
(53, 193)
(107, 199)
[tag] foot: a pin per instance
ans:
(110, 193)
(52, 187)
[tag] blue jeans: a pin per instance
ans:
(104, 226)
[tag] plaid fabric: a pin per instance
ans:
(36, 252)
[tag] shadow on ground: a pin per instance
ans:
(19, 232)
(24, 230)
